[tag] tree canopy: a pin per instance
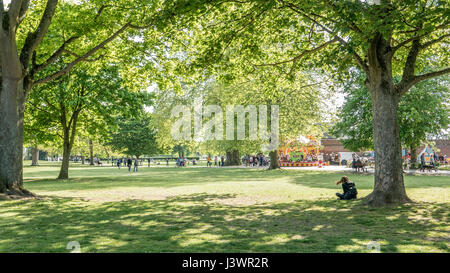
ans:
(423, 112)
(86, 99)
(272, 44)
(134, 136)
(397, 44)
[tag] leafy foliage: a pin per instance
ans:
(273, 39)
(422, 112)
(134, 136)
(88, 99)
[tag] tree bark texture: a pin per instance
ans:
(389, 186)
(274, 160)
(35, 156)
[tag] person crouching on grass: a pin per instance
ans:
(349, 188)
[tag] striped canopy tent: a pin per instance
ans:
(427, 151)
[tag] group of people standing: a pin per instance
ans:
(255, 160)
(332, 157)
(432, 157)
(218, 160)
(129, 163)
(181, 162)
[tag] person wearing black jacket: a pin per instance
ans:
(129, 162)
(422, 160)
(349, 188)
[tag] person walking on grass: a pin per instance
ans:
(422, 160)
(129, 162)
(433, 161)
(136, 163)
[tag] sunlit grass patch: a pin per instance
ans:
(218, 210)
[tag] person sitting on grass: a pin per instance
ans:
(349, 188)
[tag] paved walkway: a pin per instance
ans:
(332, 168)
(369, 170)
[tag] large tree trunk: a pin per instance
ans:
(68, 140)
(11, 137)
(35, 156)
(107, 154)
(91, 152)
(82, 159)
(389, 187)
(64, 171)
(274, 160)
(181, 151)
(12, 107)
(233, 158)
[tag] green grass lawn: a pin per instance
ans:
(218, 210)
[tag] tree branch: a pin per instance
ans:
(54, 57)
(78, 56)
(13, 13)
(352, 25)
(408, 69)
(23, 10)
(416, 79)
(307, 51)
(63, 114)
(432, 42)
(73, 119)
(355, 55)
(35, 38)
(430, 75)
(407, 41)
(141, 27)
(82, 57)
(238, 31)
(99, 13)
(46, 100)
(415, 37)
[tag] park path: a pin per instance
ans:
(369, 170)
(326, 169)
(332, 168)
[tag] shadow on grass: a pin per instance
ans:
(201, 223)
(100, 178)
(364, 181)
(147, 177)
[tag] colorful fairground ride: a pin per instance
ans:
(300, 152)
